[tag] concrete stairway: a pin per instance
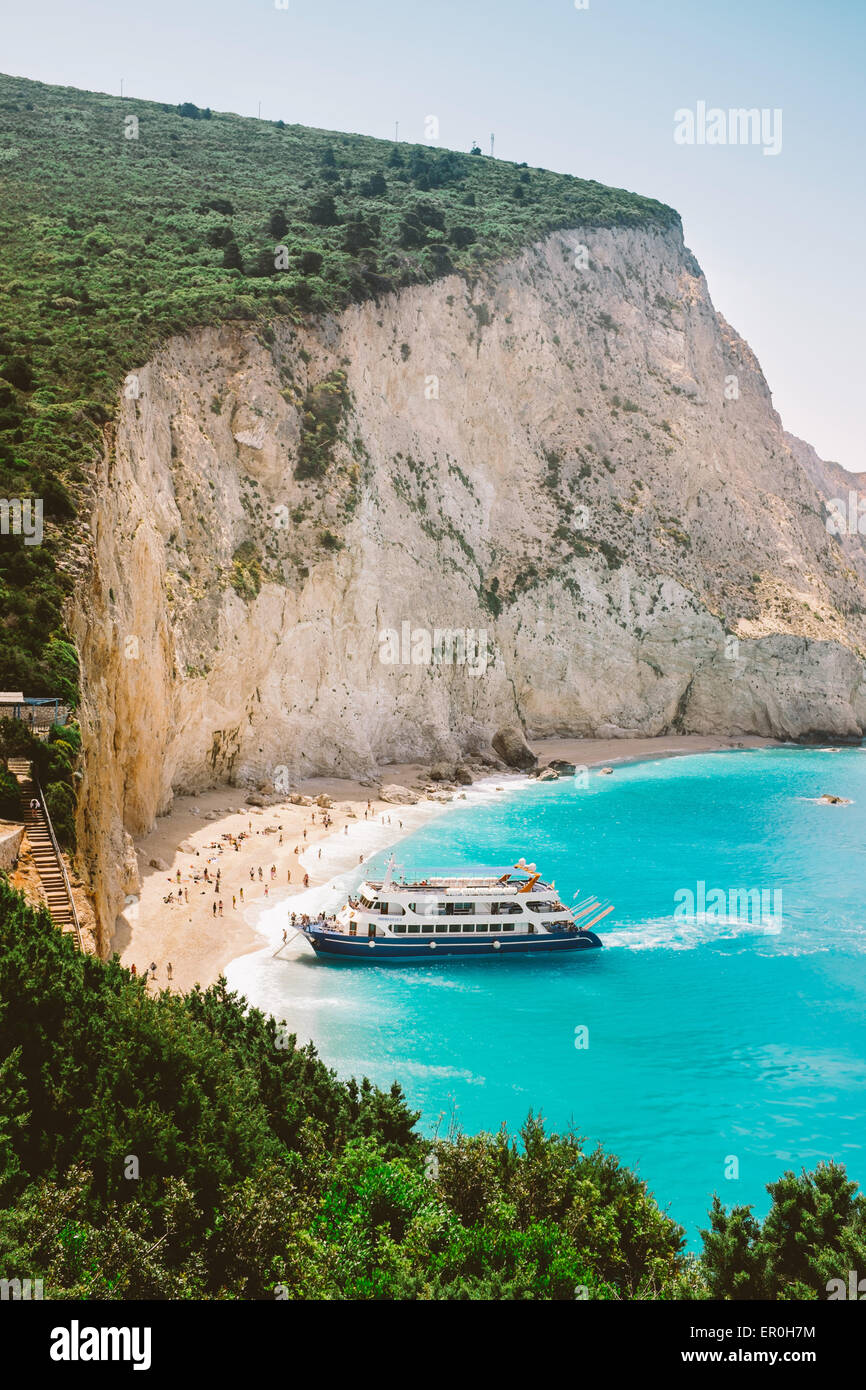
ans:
(45, 851)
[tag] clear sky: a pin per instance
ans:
(587, 91)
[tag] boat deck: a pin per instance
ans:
(454, 885)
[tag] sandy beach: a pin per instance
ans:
(262, 854)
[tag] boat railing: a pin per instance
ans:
(460, 885)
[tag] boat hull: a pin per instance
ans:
(334, 946)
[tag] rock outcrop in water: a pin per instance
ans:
(570, 466)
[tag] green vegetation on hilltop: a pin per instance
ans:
(185, 1147)
(122, 222)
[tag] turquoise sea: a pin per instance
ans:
(717, 1044)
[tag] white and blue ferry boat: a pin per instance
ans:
(516, 913)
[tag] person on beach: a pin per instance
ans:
(242, 894)
(281, 837)
(132, 970)
(168, 971)
(186, 895)
(345, 829)
(305, 832)
(234, 902)
(266, 890)
(320, 854)
(260, 873)
(306, 880)
(297, 849)
(221, 908)
(214, 909)
(273, 871)
(178, 875)
(153, 968)
(289, 875)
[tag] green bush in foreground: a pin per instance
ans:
(261, 1175)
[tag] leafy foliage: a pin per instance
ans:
(814, 1232)
(54, 761)
(9, 798)
(323, 410)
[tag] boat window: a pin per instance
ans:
(464, 909)
(455, 927)
(493, 926)
(413, 929)
(399, 929)
(505, 908)
(393, 909)
(508, 926)
(366, 902)
(468, 926)
(541, 907)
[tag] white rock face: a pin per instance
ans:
(580, 471)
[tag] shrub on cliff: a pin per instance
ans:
(324, 405)
(10, 801)
(246, 573)
(60, 803)
(16, 740)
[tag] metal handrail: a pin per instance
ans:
(68, 886)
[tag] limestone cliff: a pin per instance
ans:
(573, 453)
